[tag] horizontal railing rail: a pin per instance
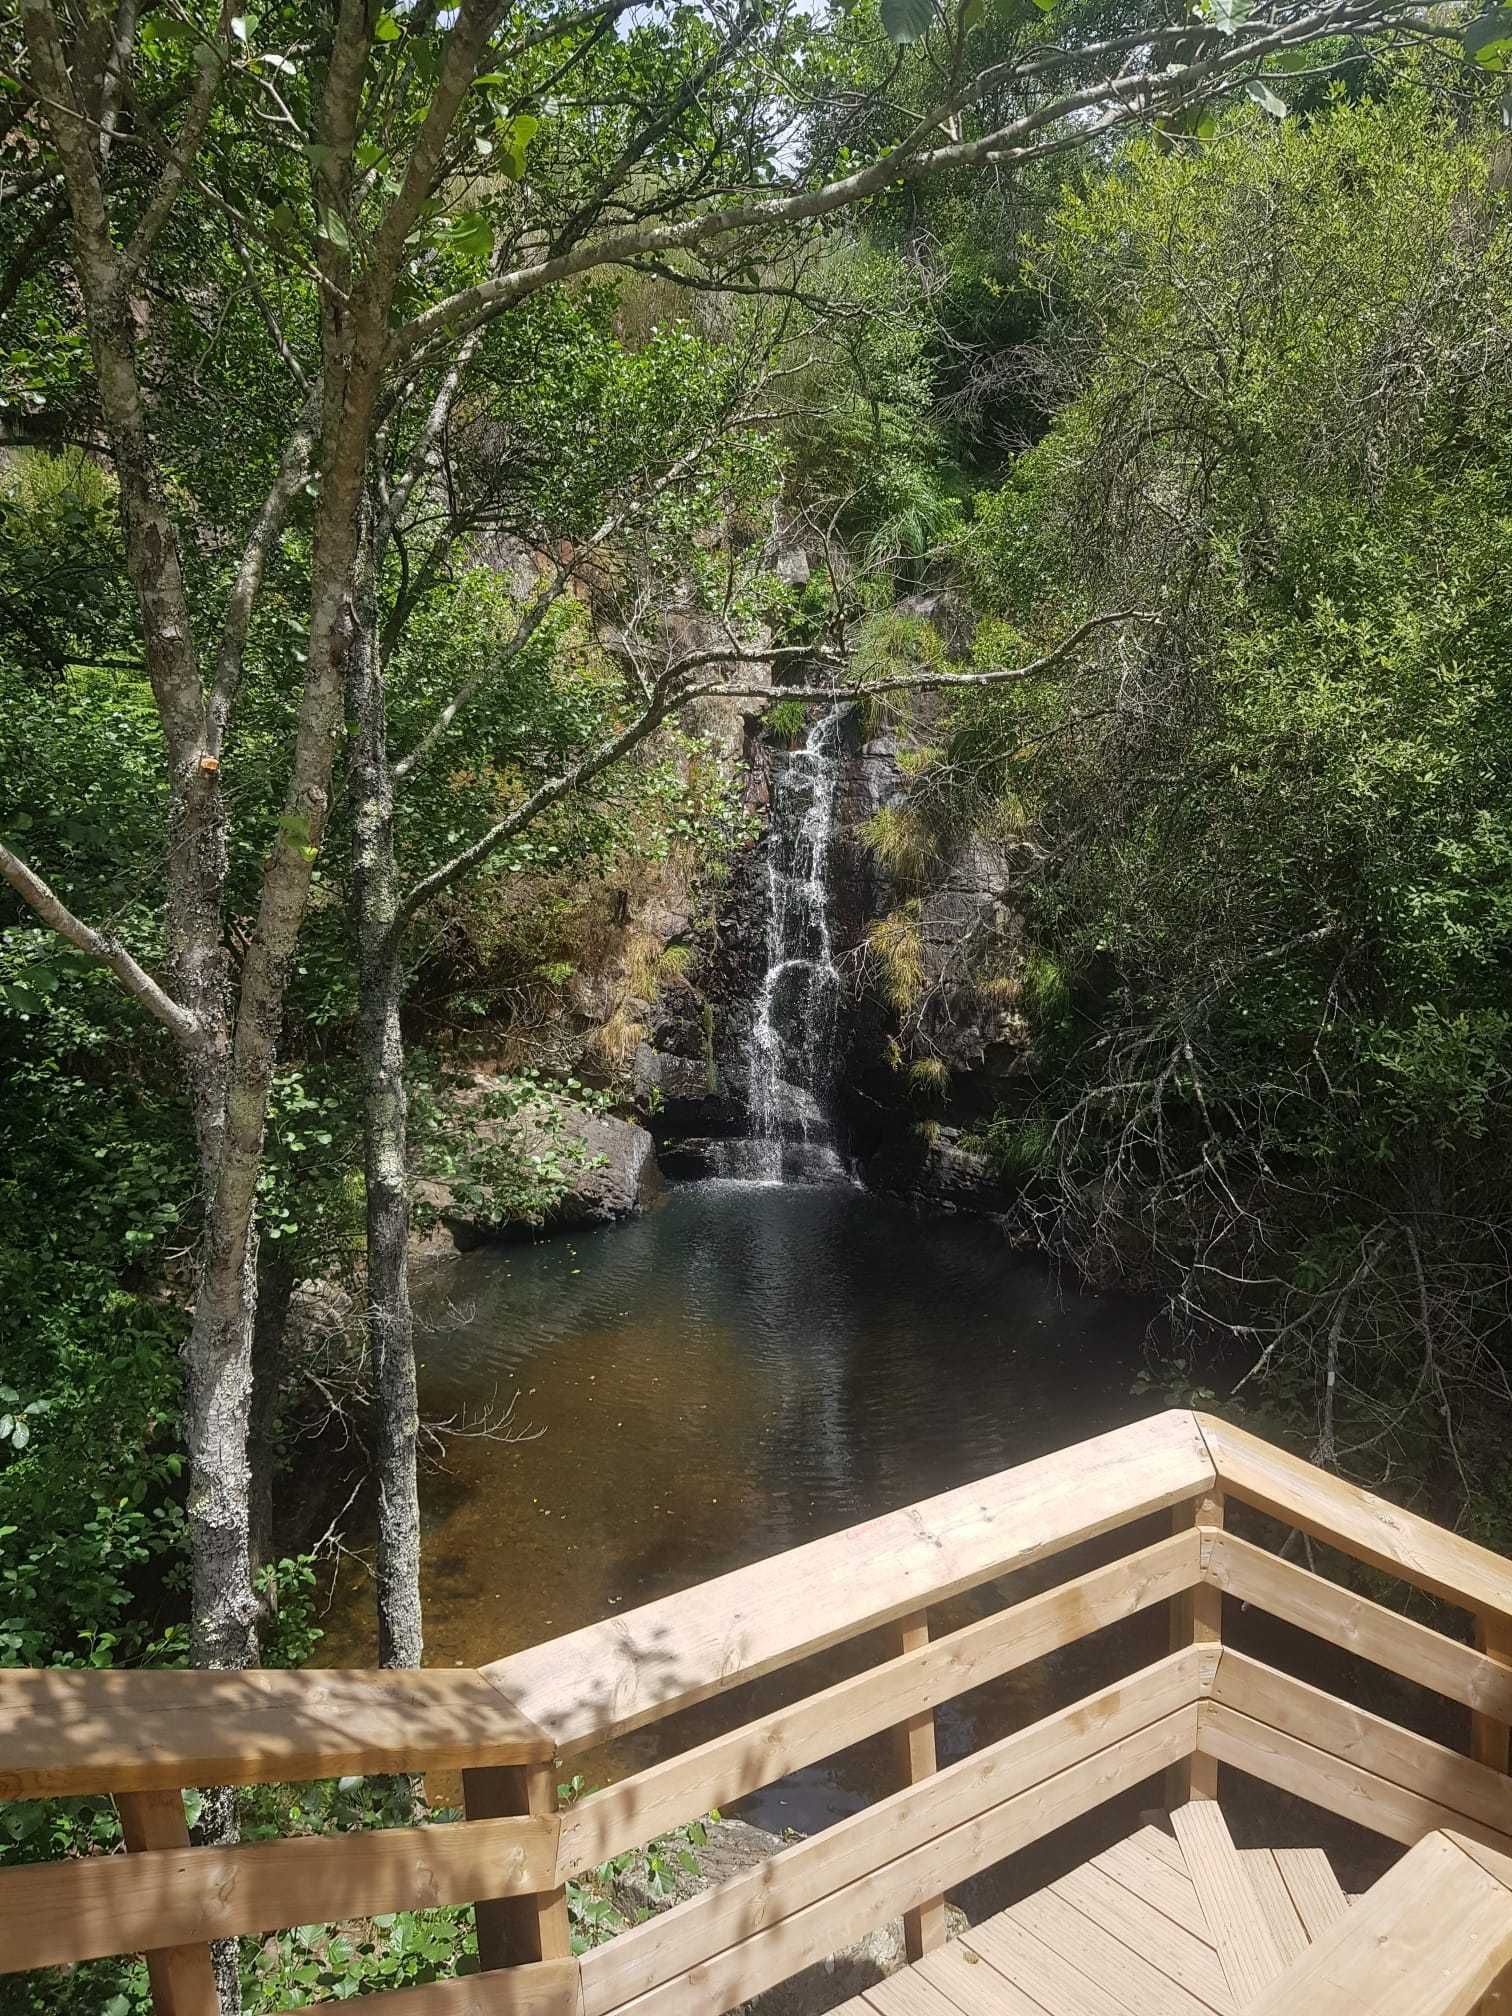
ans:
(142, 1736)
(64, 1732)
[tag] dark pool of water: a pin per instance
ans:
(743, 1369)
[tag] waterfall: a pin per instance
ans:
(796, 1017)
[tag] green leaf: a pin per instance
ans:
(907, 21)
(1488, 41)
(387, 29)
(333, 229)
(471, 235)
(972, 13)
(1226, 15)
(158, 28)
(1265, 98)
(513, 139)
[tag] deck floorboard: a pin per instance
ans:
(1135, 1931)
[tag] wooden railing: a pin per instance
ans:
(144, 1736)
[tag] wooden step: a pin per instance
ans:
(1313, 1887)
(1237, 1920)
(1281, 1914)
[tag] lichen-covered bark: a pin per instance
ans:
(396, 1419)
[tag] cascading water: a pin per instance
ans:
(797, 1008)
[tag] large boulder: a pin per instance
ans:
(941, 1173)
(607, 1171)
(611, 1162)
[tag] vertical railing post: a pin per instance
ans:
(1489, 1739)
(1196, 1619)
(515, 1930)
(924, 1925)
(1490, 1744)
(182, 1977)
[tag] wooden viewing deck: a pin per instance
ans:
(1163, 1923)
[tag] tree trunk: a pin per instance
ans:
(275, 1293)
(396, 1416)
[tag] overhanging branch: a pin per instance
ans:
(100, 946)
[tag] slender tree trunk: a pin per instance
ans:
(396, 1414)
(275, 1293)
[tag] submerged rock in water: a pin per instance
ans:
(734, 1846)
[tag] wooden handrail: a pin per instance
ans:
(141, 1736)
(87, 1909)
(731, 1767)
(1357, 1522)
(65, 1732)
(633, 1669)
(1357, 1625)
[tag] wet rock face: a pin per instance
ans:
(968, 923)
(941, 1173)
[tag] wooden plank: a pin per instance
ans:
(518, 1929)
(1143, 1988)
(1357, 1625)
(57, 1912)
(1157, 1841)
(1189, 1960)
(1246, 1947)
(1197, 1619)
(719, 1772)
(1497, 2000)
(1269, 1885)
(974, 1986)
(1427, 1940)
(549, 1989)
(1489, 1734)
(1334, 1783)
(1381, 1747)
(1495, 1864)
(718, 1957)
(1313, 1888)
(908, 1994)
(182, 1977)
(1357, 1522)
(1140, 1868)
(1049, 1977)
(924, 1925)
(63, 1733)
(632, 1669)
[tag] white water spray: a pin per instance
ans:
(796, 1015)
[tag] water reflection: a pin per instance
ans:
(742, 1370)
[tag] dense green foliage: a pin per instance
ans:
(1277, 879)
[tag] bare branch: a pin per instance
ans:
(1132, 95)
(99, 945)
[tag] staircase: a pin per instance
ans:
(1186, 1924)
(1158, 1925)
